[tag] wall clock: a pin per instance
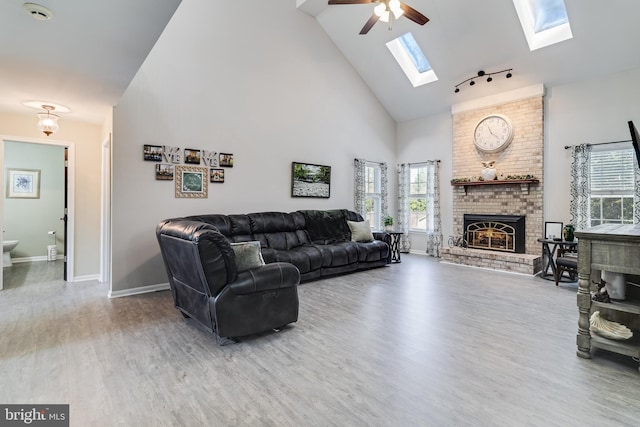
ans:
(493, 133)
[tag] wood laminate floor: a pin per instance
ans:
(413, 344)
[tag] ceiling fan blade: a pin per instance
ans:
(370, 23)
(351, 1)
(413, 14)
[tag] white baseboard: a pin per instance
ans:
(32, 259)
(417, 252)
(139, 290)
(86, 278)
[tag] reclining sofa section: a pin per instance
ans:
(317, 242)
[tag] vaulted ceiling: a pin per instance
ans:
(86, 56)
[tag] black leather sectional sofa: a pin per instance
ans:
(208, 284)
(317, 242)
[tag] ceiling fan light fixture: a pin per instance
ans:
(382, 12)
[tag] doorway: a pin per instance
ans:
(60, 221)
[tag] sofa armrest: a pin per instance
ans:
(264, 278)
(383, 236)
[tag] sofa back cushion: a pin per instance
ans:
(326, 227)
(278, 230)
(236, 228)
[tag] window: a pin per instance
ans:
(373, 197)
(413, 62)
(421, 195)
(612, 187)
(544, 22)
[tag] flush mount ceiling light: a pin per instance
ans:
(37, 11)
(472, 80)
(48, 122)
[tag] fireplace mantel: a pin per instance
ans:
(524, 182)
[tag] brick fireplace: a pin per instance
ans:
(516, 193)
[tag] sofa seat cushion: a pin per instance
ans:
(372, 251)
(338, 254)
(306, 258)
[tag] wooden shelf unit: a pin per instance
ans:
(525, 183)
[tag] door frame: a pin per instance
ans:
(70, 191)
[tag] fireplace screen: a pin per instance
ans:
(495, 232)
(491, 235)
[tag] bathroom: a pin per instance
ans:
(33, 212)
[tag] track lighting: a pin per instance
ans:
(481, 73)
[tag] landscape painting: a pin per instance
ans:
(310, 180)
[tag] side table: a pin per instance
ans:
(395, 236)
(549, 247)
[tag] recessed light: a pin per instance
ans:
(37, 11)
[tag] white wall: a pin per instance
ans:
(586, 112)
(87, 139)
(271, 91)
(430, 139)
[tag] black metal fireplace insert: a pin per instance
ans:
(495, 232)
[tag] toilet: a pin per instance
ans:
(7, 247)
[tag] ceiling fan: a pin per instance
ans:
(386, 11)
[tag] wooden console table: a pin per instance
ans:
(615, 248)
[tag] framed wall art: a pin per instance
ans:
(23, 183)
(152, 153)
(217, 176)
(310, 180)
(164, 172)
(192, 182)
(192, 156)
(226, 160)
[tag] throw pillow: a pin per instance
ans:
(248, 255)
(360, 231)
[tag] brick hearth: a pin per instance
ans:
(523, 157)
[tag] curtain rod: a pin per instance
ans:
(599, 143)
(422, 163)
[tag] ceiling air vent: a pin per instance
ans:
(38, 12)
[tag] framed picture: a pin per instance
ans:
(226, 160)
(217, 175)
(192, 156)
(164, 172)
(23, 183)
(553, 230)
(152, 153)
(192, 182)
(309, 180)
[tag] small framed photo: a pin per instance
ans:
(192, 182)
(23, 183)
(217, 176)
(192, 156)
(164, 172)
(226, 160)
(553, 230)
(152, 153)
(309, 180)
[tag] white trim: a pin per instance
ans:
(500, 98)
(87, 278)
(70, 189)
(105, 220)
(139, 290)
(418, 251)
(34, 259)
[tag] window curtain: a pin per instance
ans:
(359, 187)
(580, 186)
(384, 193)
(434, 235)
(404, 180)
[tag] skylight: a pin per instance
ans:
(544, 22)
(412, 60)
